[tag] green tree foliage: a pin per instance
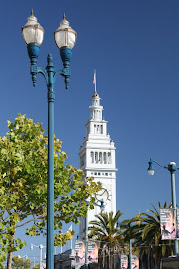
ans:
(146, 232)
(19, 263)
(23, 186)
(36, 266)
(104, 229)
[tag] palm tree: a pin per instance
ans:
(105, 230)
(146, 232)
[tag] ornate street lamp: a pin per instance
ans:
(65, 38)
(171, 168)
(40, 247)
(102, 207)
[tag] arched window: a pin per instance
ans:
(96, 157)
(95, 128)
(101, 129)
(100, 157)
(109, 157)
(104, 158)
(97, 131)
(92, 157)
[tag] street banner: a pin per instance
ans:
(167, 223)
(80, 252)
(124, 262)
(135, 262)
(92, 252)
(177, 220)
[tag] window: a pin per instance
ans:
(100, 157)
(92, 157)
(109, 158)
(99, 174)
(104, 157)
(101, 129)
(97, 130)
(106, 174)
(96, 157)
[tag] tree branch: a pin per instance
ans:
(17, 226)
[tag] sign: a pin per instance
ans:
(177, 222)
(79, 251)
(135, 262)
(124, 262)
(92, 256)
(168, 223)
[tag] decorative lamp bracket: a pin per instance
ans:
(49, 73)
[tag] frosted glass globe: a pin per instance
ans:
(65, 36)
(32, 31)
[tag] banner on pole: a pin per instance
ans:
(168, 223)
(135, 262)
(124, 262)
(177, 220)
(80, 247)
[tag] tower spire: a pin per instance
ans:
(94, 80)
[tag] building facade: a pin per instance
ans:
(97, 159)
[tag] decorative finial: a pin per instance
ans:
(64, 17)
(32, 12)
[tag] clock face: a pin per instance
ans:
(102, 195)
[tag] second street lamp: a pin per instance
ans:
(171, 168)
(102, 208)
(65, 38)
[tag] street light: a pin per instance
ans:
(171, 168)
(19, 256)
(102, 207)
(65, 38)
(40, 247)
(130, 254)
(86, 238)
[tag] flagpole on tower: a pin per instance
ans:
(94, 80)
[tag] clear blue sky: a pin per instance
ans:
(134, 46)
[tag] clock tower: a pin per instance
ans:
(97, 159)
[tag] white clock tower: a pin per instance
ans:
(97, 159)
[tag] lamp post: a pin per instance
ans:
(26, 257)
(130, 255)
(86, 238)
(65, 38)
(40, 247)
(171, 168)
(102, 207)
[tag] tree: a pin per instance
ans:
(23, 186)
(104, 229)
(146, 232)
(36, 266)
(19, 263)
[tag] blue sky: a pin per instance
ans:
(134, 46)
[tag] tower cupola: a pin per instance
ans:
(96, 109)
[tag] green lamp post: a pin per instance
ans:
(171, 167)
(65, 38)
